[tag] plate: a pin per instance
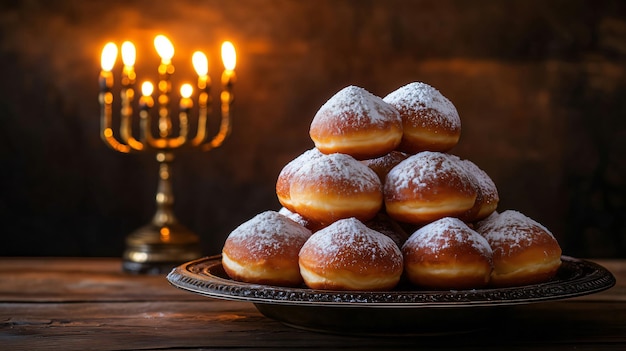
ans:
(400, 311)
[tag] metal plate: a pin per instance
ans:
(400, 311)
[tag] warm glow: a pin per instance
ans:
(200, 63)
(128, 53)
(229, 56)
(186, 90)
(109, 55)
(147, 88)
(164, 48)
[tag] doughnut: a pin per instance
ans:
(335, 186)
(428, 186)
(283, 182)
(387, 226)
(430, 121)
(524, 251)
(310, 225)
(383, 164)
(264, 250)
(487, 193)
(447, 254)
(357, 123)
(347, 255)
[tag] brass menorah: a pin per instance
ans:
(164, 242)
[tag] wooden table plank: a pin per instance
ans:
(76, 279)
(90, 304)
(224, 324)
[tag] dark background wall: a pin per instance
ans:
(540, 87)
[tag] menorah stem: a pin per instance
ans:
(164, 215)
(163, 243)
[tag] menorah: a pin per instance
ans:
(164, 242)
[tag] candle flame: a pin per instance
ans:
(186, 90)
(164, 48)
(147, 88)
(200, 63)
(128, 53)
(109, 55)
(229, 56)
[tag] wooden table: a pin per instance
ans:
(90, 304)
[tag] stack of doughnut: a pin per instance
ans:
(381, 200)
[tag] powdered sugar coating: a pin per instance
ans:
(283, 182)
(349, 244)
(355, 108)
(294, 165)
(512, 228)
(419, 171)
(421, 97)
(447, 233)
(268, 234)
(337, 168)
(485, 183)
(293, 216)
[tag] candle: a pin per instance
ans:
(127, 93)
(165, 49)
(146, 101)
(108, 57)
(145, 104)
(107, 61)
(229, 58)
(128, 58)
(185, 92)
(201, 65)
(185, 105)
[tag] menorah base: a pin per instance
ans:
(156, 249)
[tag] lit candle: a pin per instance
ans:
(201, 65)
(107, 61)
(185, 92)
(108, 57)
(229, 58)
(128, 93)
(128, 58)
(145, 104)
(185, 105)
(165, 49)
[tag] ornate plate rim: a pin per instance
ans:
(577, 277)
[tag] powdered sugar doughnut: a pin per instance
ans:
(383, 224)
(487, 193)
(296, 217)
(524, 251)
(447, 254)
(383, 164)
(264, 250)
(428, 186)
(430, 121)
(335, 186)
(283, 182)
(357, 123)
(347, 255)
